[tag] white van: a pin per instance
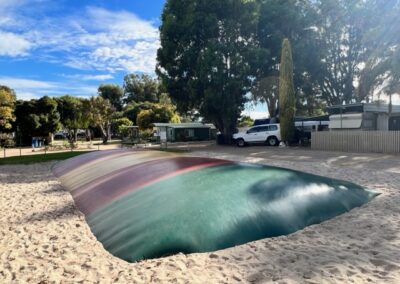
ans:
(267, 133)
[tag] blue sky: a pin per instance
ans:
(53, 48)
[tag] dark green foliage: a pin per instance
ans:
(140, 88)
(287, 99)
(121, 125)
(74, 115)
(36, 118)
(132, 110)
(332, 41)
(49, 118)
(295, 20)
(341, 32)
(113, 93)
(207, 48)
(156, 113)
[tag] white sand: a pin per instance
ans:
(45, 239)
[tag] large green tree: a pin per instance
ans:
(121, 125)
(344, 51)
(49, 118)
(132, 110)
(295, 20)
(341, 32)
(113, 93)
(205, 61)
(101, 114)
(287, 99)
(27, 122)
(36, 118)
(146, 113)
(140, 88)
(158, 113)
(72, 115)
(381, 74)
(7, 105)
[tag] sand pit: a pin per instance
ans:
(44, 238)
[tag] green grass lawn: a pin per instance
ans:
(40, 158)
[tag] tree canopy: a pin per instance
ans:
(36, 118)
(113, 93)
(7, 104)
(100, 114)
(140, 88)
(207, 48)
(344, 51)
(73, 115)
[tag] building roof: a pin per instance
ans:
(184, 125)
(363, 107)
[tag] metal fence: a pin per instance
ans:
(357, 141)
(7, 152)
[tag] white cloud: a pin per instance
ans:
(84, 77)
(26, 83)
(97, 77)
(28, 88)
(122, 25)
(95, 39)
(13, 45)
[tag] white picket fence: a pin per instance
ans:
(357, 141)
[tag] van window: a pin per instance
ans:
(273, 128)
(262, 128)
(253, 130)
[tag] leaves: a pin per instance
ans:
(140, 88)
(7, 103)
(113, 93)
(206, 47)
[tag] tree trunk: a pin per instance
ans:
(50, 138)
(88, 135)
(72, 135)
(109, 131)
(227, 136)
(104, 133)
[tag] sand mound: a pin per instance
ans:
(45, 239)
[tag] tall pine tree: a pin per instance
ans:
(287, 98)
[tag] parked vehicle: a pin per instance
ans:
(268, 133)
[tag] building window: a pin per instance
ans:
(189, 132)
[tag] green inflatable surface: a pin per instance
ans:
(216, 207)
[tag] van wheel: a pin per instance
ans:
(240, 143)
(272, 141)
